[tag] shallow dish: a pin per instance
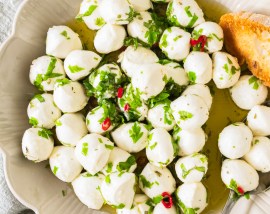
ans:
(33, 184)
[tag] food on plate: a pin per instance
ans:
(192, 197)
(239, 176)
(64, 164)
(61, 40)
(161, 209)
(248, 92)
(241, 28)
(45, 71)
(141, 5)
(37, 144)
(192, 168)
(259, 154)
(70, 128)
(86, 188)
(42, 111)
(235, 140)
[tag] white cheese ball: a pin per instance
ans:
(116, 12)
(192, 168)
(143, 80)
(154, 181)
(64, 164)
(80, 63)
(37, 144)
(86, 188)
(259, 154)
(237, 174)
(42, 111)
(226, 70)
(120, 161)
(189, 141)
(176, 73)
(214, 34)
(202, 91)
(70, 128)
(69, 96)
(198, 66)
(257, 120)
(131, 137)
(185, 13)
(175, 43)
(109, 38)
(235, 140)
(132, 58)
(248, 92)
(189, 111)
(90, 14)
(192, 196)
(93, 152)
(45, 71)
(160, 151)
(161, 209)
(141, 5)
(118, 190)
(160, 116)
(61, 40)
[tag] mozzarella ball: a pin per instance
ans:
(70, 128)
(192, 196)
(161, 209)
(259, 154)
(61, 40)
(45, 71)
(226, 70)
(90, 14)
(214, 34)
(106, 80)
(86, 189)
(176, 73)
(141, 5)
(69, 96)
(248, 92)
(202, 91)
(37, 144)
(192, 168)
(160, 116)
(153, 181)
(116, 12)
(239, 176)
(160, 150)
(139, 206)
(80, 63)
(185, 13)
(109, 38)
(64, 164)
(143, 80)
(257, 120)
(190, 111)
(132, 58)
(198, 66)
(132, 104)
(175, 43)
(131, 137)
(241, 143)
(118, 189)
(42, 111)
(189, 141)
(120, 161)
(93, 152)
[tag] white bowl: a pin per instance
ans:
(33, 184)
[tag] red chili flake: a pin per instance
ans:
(240, 190)
(126, 107)
(120, 92)
(201, 40)
(106, 124)
(167, 200)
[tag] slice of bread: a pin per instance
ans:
(247, 36)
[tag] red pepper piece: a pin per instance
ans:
(106, 124)
(201, 40)
(240, 190)
(126, 107)
(167, 200)
(120, 92)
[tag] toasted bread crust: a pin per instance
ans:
(247, 36)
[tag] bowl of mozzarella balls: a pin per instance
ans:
(123, 123)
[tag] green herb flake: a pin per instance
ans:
(164, 42)
(110, 147)
(168, 118)
(33, 121)
(63, 82)
(85, 149)
(153, 146)
(109, 167)
(107, 179)
(58, 123)
(255, 81)
(120, 206)
(65, 34)
(125, 166)
(157, 199)
(177, 37)
(39, 97)
(192, 76)
(146, 183)
(187, 210)
(193, 17)
(184, 115)
(89, 12)
(100, 21)
(135, 132)
(75, 68)
(45, 133)
(55, 169)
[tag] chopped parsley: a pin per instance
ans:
(171, 16)
(230, 71)
(184, 115)
(58, 123)
(135, 132)
(107, 179)
(193, 17)
(39, 97)
(85, 149)
(45, 133)
(164, 42)
(110, 147)
(192, 76)
(120, 206)
(186, 172)
(33, 121)
(63, 82)
(177, 37)
(109, 167)
(168, 118)
(187, 210)
(255, 82)
(145, 183)
(75, 68)
(65, 34)
(212, 36)
(55, 169)
(100, 21)
(89, 12)
(153, 146)
(125, 166)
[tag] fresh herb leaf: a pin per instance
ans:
(89, 12)
(58, 123)
(39, 97)
(63, 82)
(146, 183)
(100, 21)
(55, 169)
(109, 167)
(135, 132)
(125, 166)
(193, 17)
(107, 179)
(192, 76)
(45, 133)
(168, 117)
(255, 81)
(187, 210)
(33, 121)
(75, 68)
(164, 42)
(65, 34)
(110, 147)
(184, 115)
(120, 206)
(85, 149)
(153, 146)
